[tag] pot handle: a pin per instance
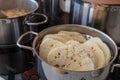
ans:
(21, 37)
(115, 65)
(43, 20)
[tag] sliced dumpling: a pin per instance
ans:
(99, 55)
(85, 64)
(88, 52)
(71, 58)
(60, 37)
(73, 42)
(58, 56)
(48, 44)
(55, 37)
(103, 47)
(79, 59)
(74, 35)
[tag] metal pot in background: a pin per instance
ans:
(36, 21)
(104, 17)
(58, 11)
(54, 73)
(12, 28)
(14, 60)
(87, 13)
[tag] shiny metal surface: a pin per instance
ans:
(20, 39)
(88, 14)
(54, 73)
(29, 5)
(103, 17)
(58, 11)
(12, 28)
(112, 26)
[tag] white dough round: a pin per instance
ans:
(74, 35)
(55, 37)
(103, 47)
(71, 58)
(73, 42)
(48, 44)
(99, 55)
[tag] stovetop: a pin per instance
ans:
(33, 75)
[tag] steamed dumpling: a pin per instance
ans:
(103, 47)
(48, 44)
(74, 35)
(99, 55)
(71, 58)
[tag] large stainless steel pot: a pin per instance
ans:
(54, 73)
(12, 28)
(58, 11)
(104, 16)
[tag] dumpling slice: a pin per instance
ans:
(74, 35)
(58, 56)
(55, 37)
(99, 55)
(48, 44)
(71, 58)
(103, 47)
(73, 42)
(60, 37)
(85, 64)
(79, 59)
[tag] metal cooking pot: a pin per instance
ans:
(56, 10)
(104, 17)
(54, 73)
(12, 28)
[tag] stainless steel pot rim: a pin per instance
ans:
(70, 25)
(29, 12)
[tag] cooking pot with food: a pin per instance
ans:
(56, 73)
(15, 16)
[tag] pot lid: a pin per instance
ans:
(117, 2)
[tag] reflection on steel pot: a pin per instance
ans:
(36, 21)
(104, 17)
(54, 73)
(11, 28)
(86, 13)
(58, 11)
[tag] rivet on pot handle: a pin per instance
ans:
(23, 35)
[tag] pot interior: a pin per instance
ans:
(28, 5)
(78, 28)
